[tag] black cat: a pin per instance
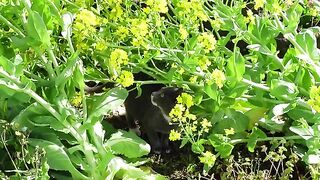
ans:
(151, 111)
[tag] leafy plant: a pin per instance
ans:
(250, 71)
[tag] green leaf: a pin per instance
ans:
(254, 115)
(211, 91)
(307, 42)
(302, 128)
(275, 119)
(68, 71)
(252, 138)
(37, 30)
(221, 144)
(119, 169)
(232, 119)
(294, 17)
(235, 67)
(128, 144)
(313, 159)
(283, 90)
(36, 116)
(99, 105)
(197, 147)
(300, 112)
(57, 158)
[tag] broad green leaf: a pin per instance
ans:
(235, 67)
(119, 169)
(303, 129)
(36, 116)
(307, 46)
(304, 113)
(232, 119)
(313, 159)
(57, 158)
(221, 144)
(68, 71)
(283, 90)
(37, 30)
(99, 105)
(275, 119)
(128, 144)
(252, 138)
(304, 79)
(197, 147)
(254, 115)
(211, 91)
(293, 17)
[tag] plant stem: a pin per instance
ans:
(8, 23)
(257, 85)
(237, 141)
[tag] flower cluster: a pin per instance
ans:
(207, 41)
(76, 100)
(204, 63)
(116, 10)
(139, 29)
(208, 158)
(125, 78)
(190, 127)
(118, 58)
(217, 77)
(183, 32)
(174, 135)
(250, 18)
(259, 4)
(314, 100)
(85, 24)
(122, 32)
(194, 7)
(160, 6)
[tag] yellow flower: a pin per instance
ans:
(204, 62)
(259, 4)
(125, 79)
(174, 135)
(87, 17)
(229, 131)
(118, 57)
(122, 32)
(250, 17)
(158, 5)
(183, 32)
(314, 100)
(205, 125)
(101, 45)
(139, 27)
(276, 8)
(76, 100)
(185, 99)
(208, 158)
(207, 41)
(216, 23)
(177, 112)
(217, 77)
(193, 79)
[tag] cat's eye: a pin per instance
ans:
(162, 95)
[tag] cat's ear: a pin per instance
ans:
(178, 90)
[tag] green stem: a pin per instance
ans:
(8, 23)
(53, 59)
(237, 141)
(257, 85)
